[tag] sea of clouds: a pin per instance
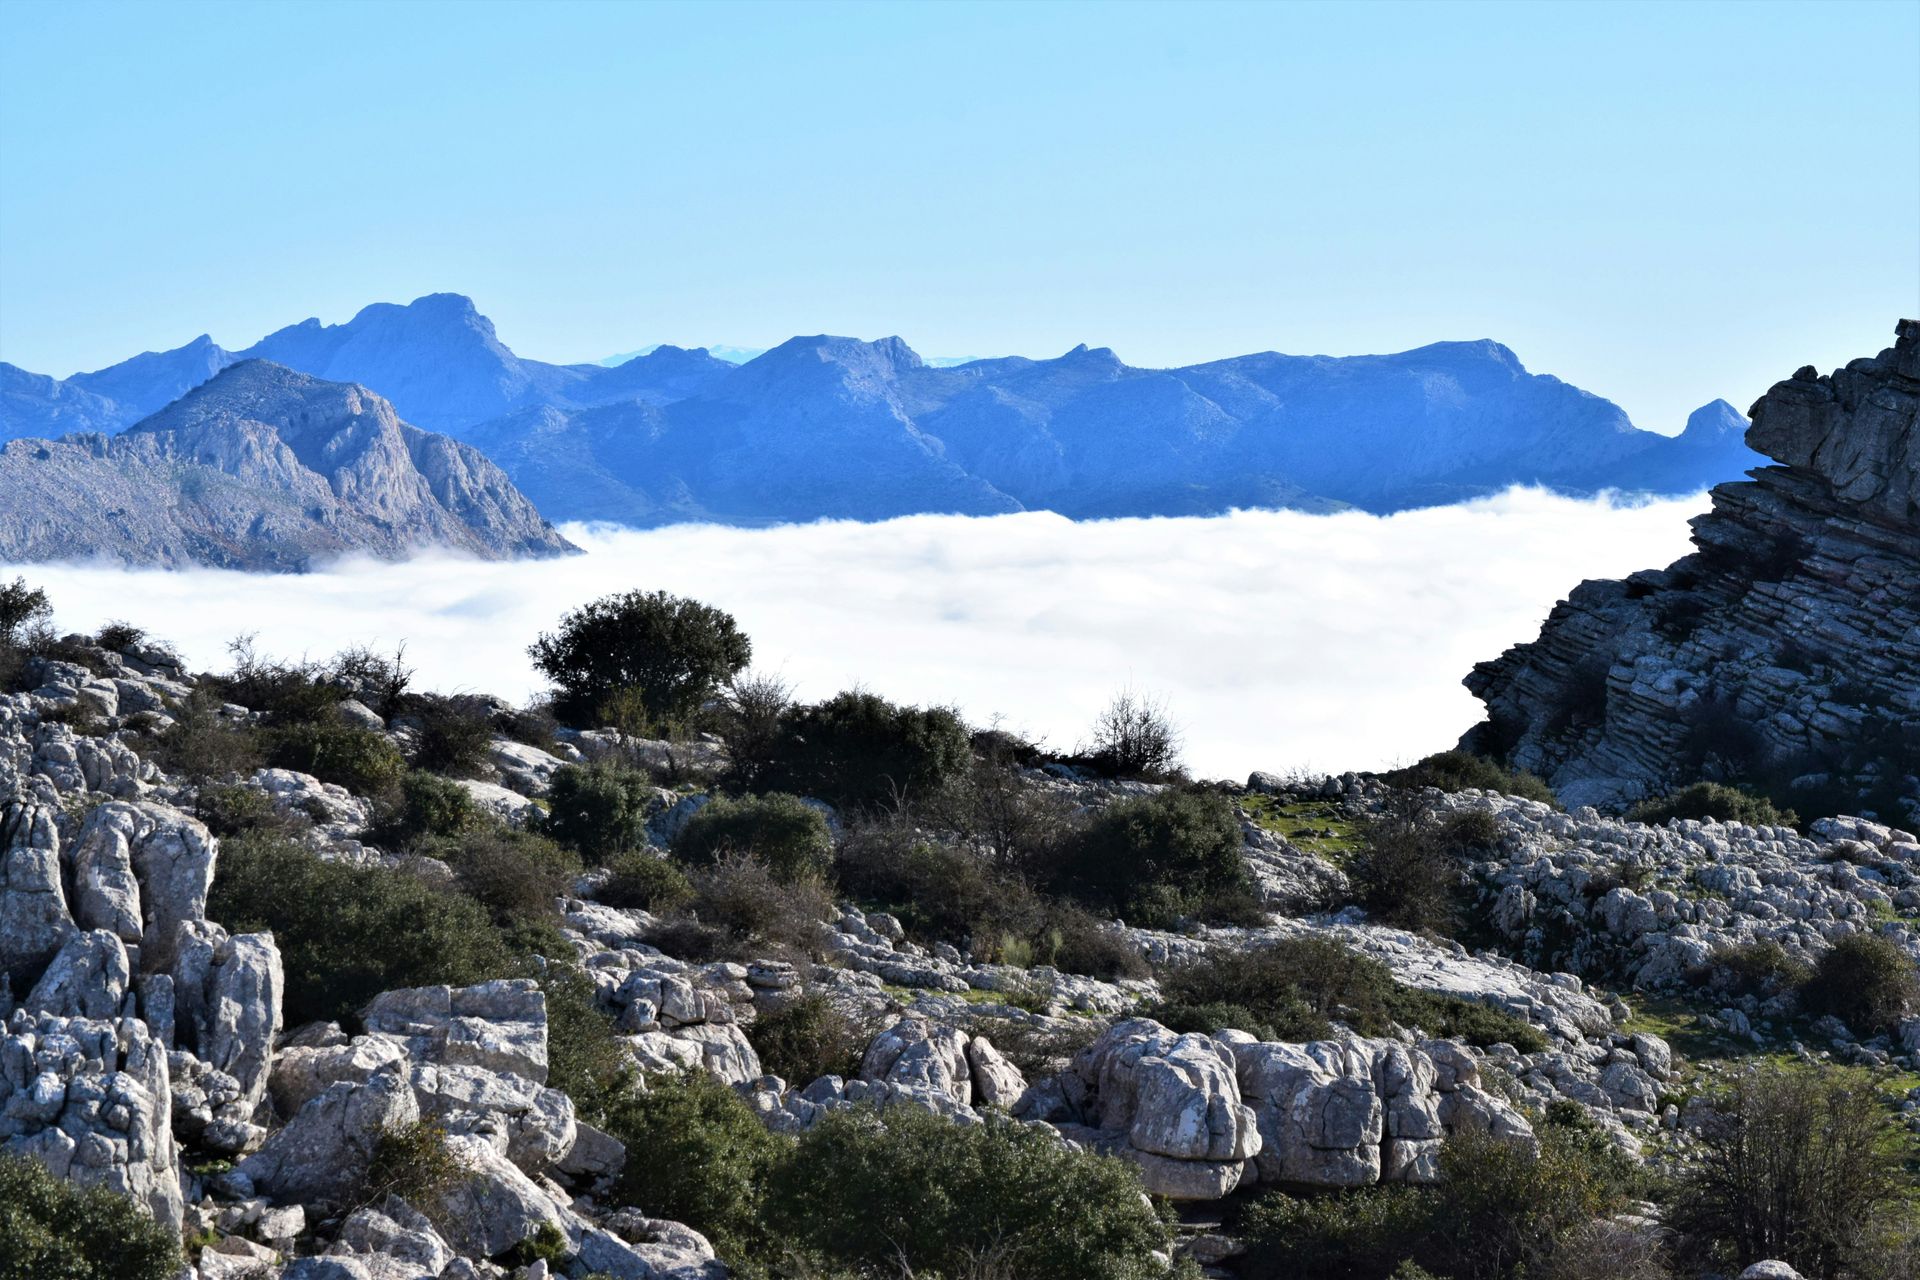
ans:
(1278, 640)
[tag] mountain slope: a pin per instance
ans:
(261, 468)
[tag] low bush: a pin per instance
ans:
(361, 760)
(940, 893)
(347, 933)
(1498, 1211)
(707, 1160)
(586, 1059)
(909, 1192)
(1794, 1165)
(1763, 968)
(284, 693)
(644, 881)
(516, 875)
(784, 832)
(1295, 988)
(119, 636)
(51, 1228)
(1867, 981)
(859, 751)
(742, 911)
(1159, 858)
(1286, 991)
(202, 745)
(598, 810)
(810, 1038)
(1704, 801)
(1408, 872)
(414, 1162)
(426, 807)
(1460, 771)
(231, 810)
(451, 735)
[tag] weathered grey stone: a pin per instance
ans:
(324, 1150)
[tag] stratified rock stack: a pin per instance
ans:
(1785, 651)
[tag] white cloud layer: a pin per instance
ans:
(1279, 640)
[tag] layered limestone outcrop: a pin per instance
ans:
(1785, 650)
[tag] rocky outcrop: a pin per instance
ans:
(262, 468)
(1786, 647)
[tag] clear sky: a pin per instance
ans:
(1663, 203)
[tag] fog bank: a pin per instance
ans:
(1279, 640)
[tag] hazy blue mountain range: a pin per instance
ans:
(261, 468)
(837, 427)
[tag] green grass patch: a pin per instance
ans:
(1315, 826)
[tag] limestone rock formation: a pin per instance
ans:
(261, 468)
(1785, 650)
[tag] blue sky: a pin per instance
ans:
(1661, 203)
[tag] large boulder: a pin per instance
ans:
(91, 1100)
(1170, 1102)
(87, 979)
(499, 1025)
(322, 1154)
(34, 920)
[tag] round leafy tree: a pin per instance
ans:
(668, 653)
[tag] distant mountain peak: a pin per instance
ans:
(1713, 421)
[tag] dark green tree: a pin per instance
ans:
(668, 653)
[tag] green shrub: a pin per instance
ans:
(414, 1162)
(598, 810)
(232, 810)
(119, 636)
(51, 1229)
(1866, 981)
(668, 653)
(346, 933)
(547, 1244)
(1295, 988)
(908, 1192)
(858, 750)
(1497, 1211)
(1461, 771)
(586, 1059)
(742, 911)
(1289, 990)
(1406, 873)
(1362, 1234)
(1157, 858)
(286, 694)
(361, 760)
(451, 735)
(427, 807)
(784, 832)
(810, 1038)
(1791, 1164)
(514, 874)
(1762, 968)
(1074, 941)
(704, 1159)
(1705, 801)
(201, 744)
(939, 892)
(644, 881)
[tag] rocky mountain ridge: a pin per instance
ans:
(829, 427)
(261, 468)
(1784, 652)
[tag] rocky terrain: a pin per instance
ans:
(261, 468)
(1784, 652)
(147, 1047)
(832, 427)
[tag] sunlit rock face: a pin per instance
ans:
(1785, 649)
